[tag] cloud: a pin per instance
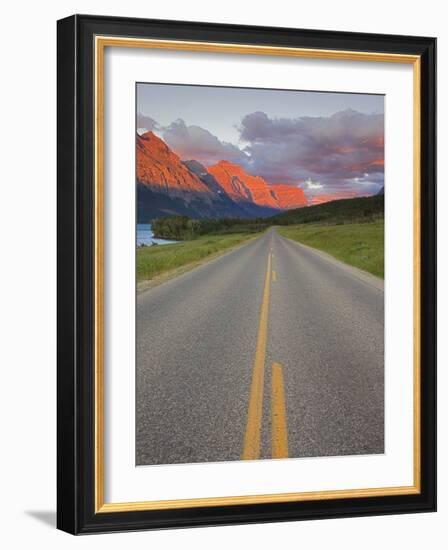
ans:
(146, 123)
(310, 184)
(194, 142)
(342, 152)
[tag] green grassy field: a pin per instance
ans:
(357, 244)
(156, 260)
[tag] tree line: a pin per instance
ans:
(358, 210)
(180, 228)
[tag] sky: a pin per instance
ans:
(324, 142)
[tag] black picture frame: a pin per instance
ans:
(76, 272)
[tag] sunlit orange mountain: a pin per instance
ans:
(162, 170)
(289, 196)
(241, 186)
(166, 185)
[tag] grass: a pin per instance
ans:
(357, 244)
(156, 260)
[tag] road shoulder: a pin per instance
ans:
(364, 276)
(143, 286)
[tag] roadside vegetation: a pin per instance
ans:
(351, 230)
(155, 260)
(357, 244)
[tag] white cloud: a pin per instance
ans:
(310, 184)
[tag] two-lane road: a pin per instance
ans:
(271, 350)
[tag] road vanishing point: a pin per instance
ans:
(272, 350)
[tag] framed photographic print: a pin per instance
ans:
(246, 274)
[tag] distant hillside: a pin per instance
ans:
(340, 211)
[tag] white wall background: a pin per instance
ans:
(27, 272)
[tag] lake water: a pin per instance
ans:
(146, 236)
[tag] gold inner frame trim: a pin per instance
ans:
(101, 42)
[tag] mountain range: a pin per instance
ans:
(166, 186)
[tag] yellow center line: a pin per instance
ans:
(274, 276)
(252, 438)
(278, 413)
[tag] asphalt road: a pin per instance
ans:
(269, 351)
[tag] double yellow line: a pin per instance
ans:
(279, 434)
(279, 428)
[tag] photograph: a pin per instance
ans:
(259, 274)
(221, 254)
(246, 263)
